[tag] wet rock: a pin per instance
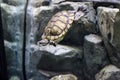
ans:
(109, 19)
(95, 56)
(60, 58)
(65, 77)
(110, 72)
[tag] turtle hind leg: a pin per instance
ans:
(53, 43)
(43, 42)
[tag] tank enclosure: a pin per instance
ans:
(90, 49)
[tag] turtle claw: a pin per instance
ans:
(53, 43)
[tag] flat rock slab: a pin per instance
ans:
(59, 58)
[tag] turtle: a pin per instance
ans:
(59, 25)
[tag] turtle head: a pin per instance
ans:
(81, 11)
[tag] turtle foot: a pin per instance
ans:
(53, 43)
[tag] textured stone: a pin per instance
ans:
(50, 60)
(14, 78)
(108, 1)
(15, 2)
(110, 72)
(38, 3)
(109, 19)
(95, 56)
(13, 23)
(59, 58)
(57, 1)
(65, 77)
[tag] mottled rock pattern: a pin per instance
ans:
(109, 72)
(65, 77)
(109, 19)
(95, 56)
(39, 3)
(15, 2)
(12, 12)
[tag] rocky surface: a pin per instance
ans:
(59, 58)
(65, 77)
(95, 56)
(39, 3)
(13, 27)
(110, 72)
(109, 19)
(14, 2)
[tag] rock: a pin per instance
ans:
(13, 29)
(39, 3)
(50, 60)
(95, 56)
(14, 78)
(57, 1)
(1, 1)
(15, 2)
(59, 58)
(65, 77)
(109, 19)
(110, 72)
(108, 1)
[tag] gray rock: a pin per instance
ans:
(59, 58)
(39, 3)
(14, 78)
(15, 2)
(108, 1)
(1, 1)
(95, 56)
(13, 23)
(57, 1)
(110, 72)
(65, 77)
(109, 19)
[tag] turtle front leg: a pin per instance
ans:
(53, 43)
(43, 42)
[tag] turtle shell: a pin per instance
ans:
(58, 26)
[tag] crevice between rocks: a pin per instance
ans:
(3, 67)
(24, 41)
